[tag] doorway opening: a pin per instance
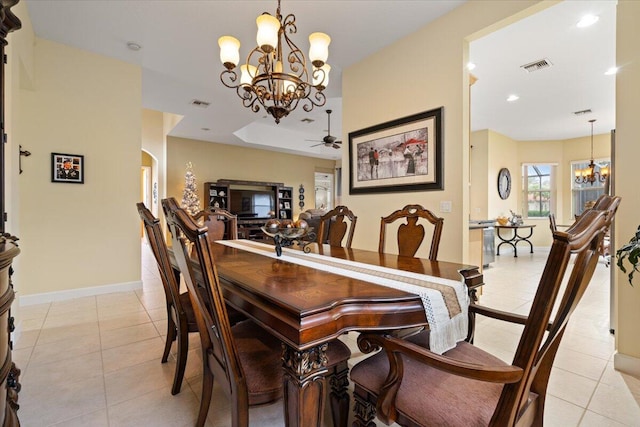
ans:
(324, 190)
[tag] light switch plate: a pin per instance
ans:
(445, 206)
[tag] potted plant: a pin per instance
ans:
(630, 252)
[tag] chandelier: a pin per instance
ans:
(276, 75)
(589, 175)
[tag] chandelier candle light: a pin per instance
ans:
(589, 174)
(276, 73)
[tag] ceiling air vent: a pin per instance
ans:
(536, 65)
(582, 112)
(199, 103)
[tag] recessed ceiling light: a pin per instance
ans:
(471, 66)
(134, 46)
(587, 20)
(512, 98)
(611, 71)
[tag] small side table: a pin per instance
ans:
(515, 238)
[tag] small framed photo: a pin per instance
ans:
(68, 168)
(287, 205)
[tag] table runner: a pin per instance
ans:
(445, 301)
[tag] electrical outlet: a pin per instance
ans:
(445, 206)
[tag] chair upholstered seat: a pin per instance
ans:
(261, 360)
(471, 403)
(408, 384)
(245, 359)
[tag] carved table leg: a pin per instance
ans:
(364, 412)
(304, 385)
(339, 396)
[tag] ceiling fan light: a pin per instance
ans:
(229, 51)
(319, 48)
(268, 28)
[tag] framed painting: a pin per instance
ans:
(401, 155)
(67, 168)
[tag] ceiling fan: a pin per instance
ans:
(329, 140)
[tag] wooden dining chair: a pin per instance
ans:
(221, 224)
(604, 202)
(333, 228)
(246, 359)
(466, 386)
(411, 234)
(180, 317)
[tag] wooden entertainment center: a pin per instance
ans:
(254, 203)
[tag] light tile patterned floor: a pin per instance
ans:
(95, 361)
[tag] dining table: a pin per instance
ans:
(308, 299)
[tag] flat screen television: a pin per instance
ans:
(252, 202)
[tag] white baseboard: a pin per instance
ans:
(627, 364)
(46, 297)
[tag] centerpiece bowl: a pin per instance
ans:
(286, 233)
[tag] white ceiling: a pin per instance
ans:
(180, 62)
(548, 97)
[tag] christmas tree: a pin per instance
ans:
(190, 199)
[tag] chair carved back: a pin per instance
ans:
(208, 302)
(603, 203)
(335, 228)
(520, 401)
(534, 355)
(221, 224)
(158, 246)
(411, 234)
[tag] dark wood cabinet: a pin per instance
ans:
(217, 195)
(285, 202)
(9, 373)
(253, 202)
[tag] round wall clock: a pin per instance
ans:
(504, 183)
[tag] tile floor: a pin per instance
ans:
(95, 361)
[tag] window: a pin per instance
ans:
(582, 194)
(539, 190)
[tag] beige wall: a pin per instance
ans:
(503, 153)
(63, 99)
(373, 92)
(626, 162)
(77, 236)
(478, 177)
(154, 144)
(579, 149)
(220, 161)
